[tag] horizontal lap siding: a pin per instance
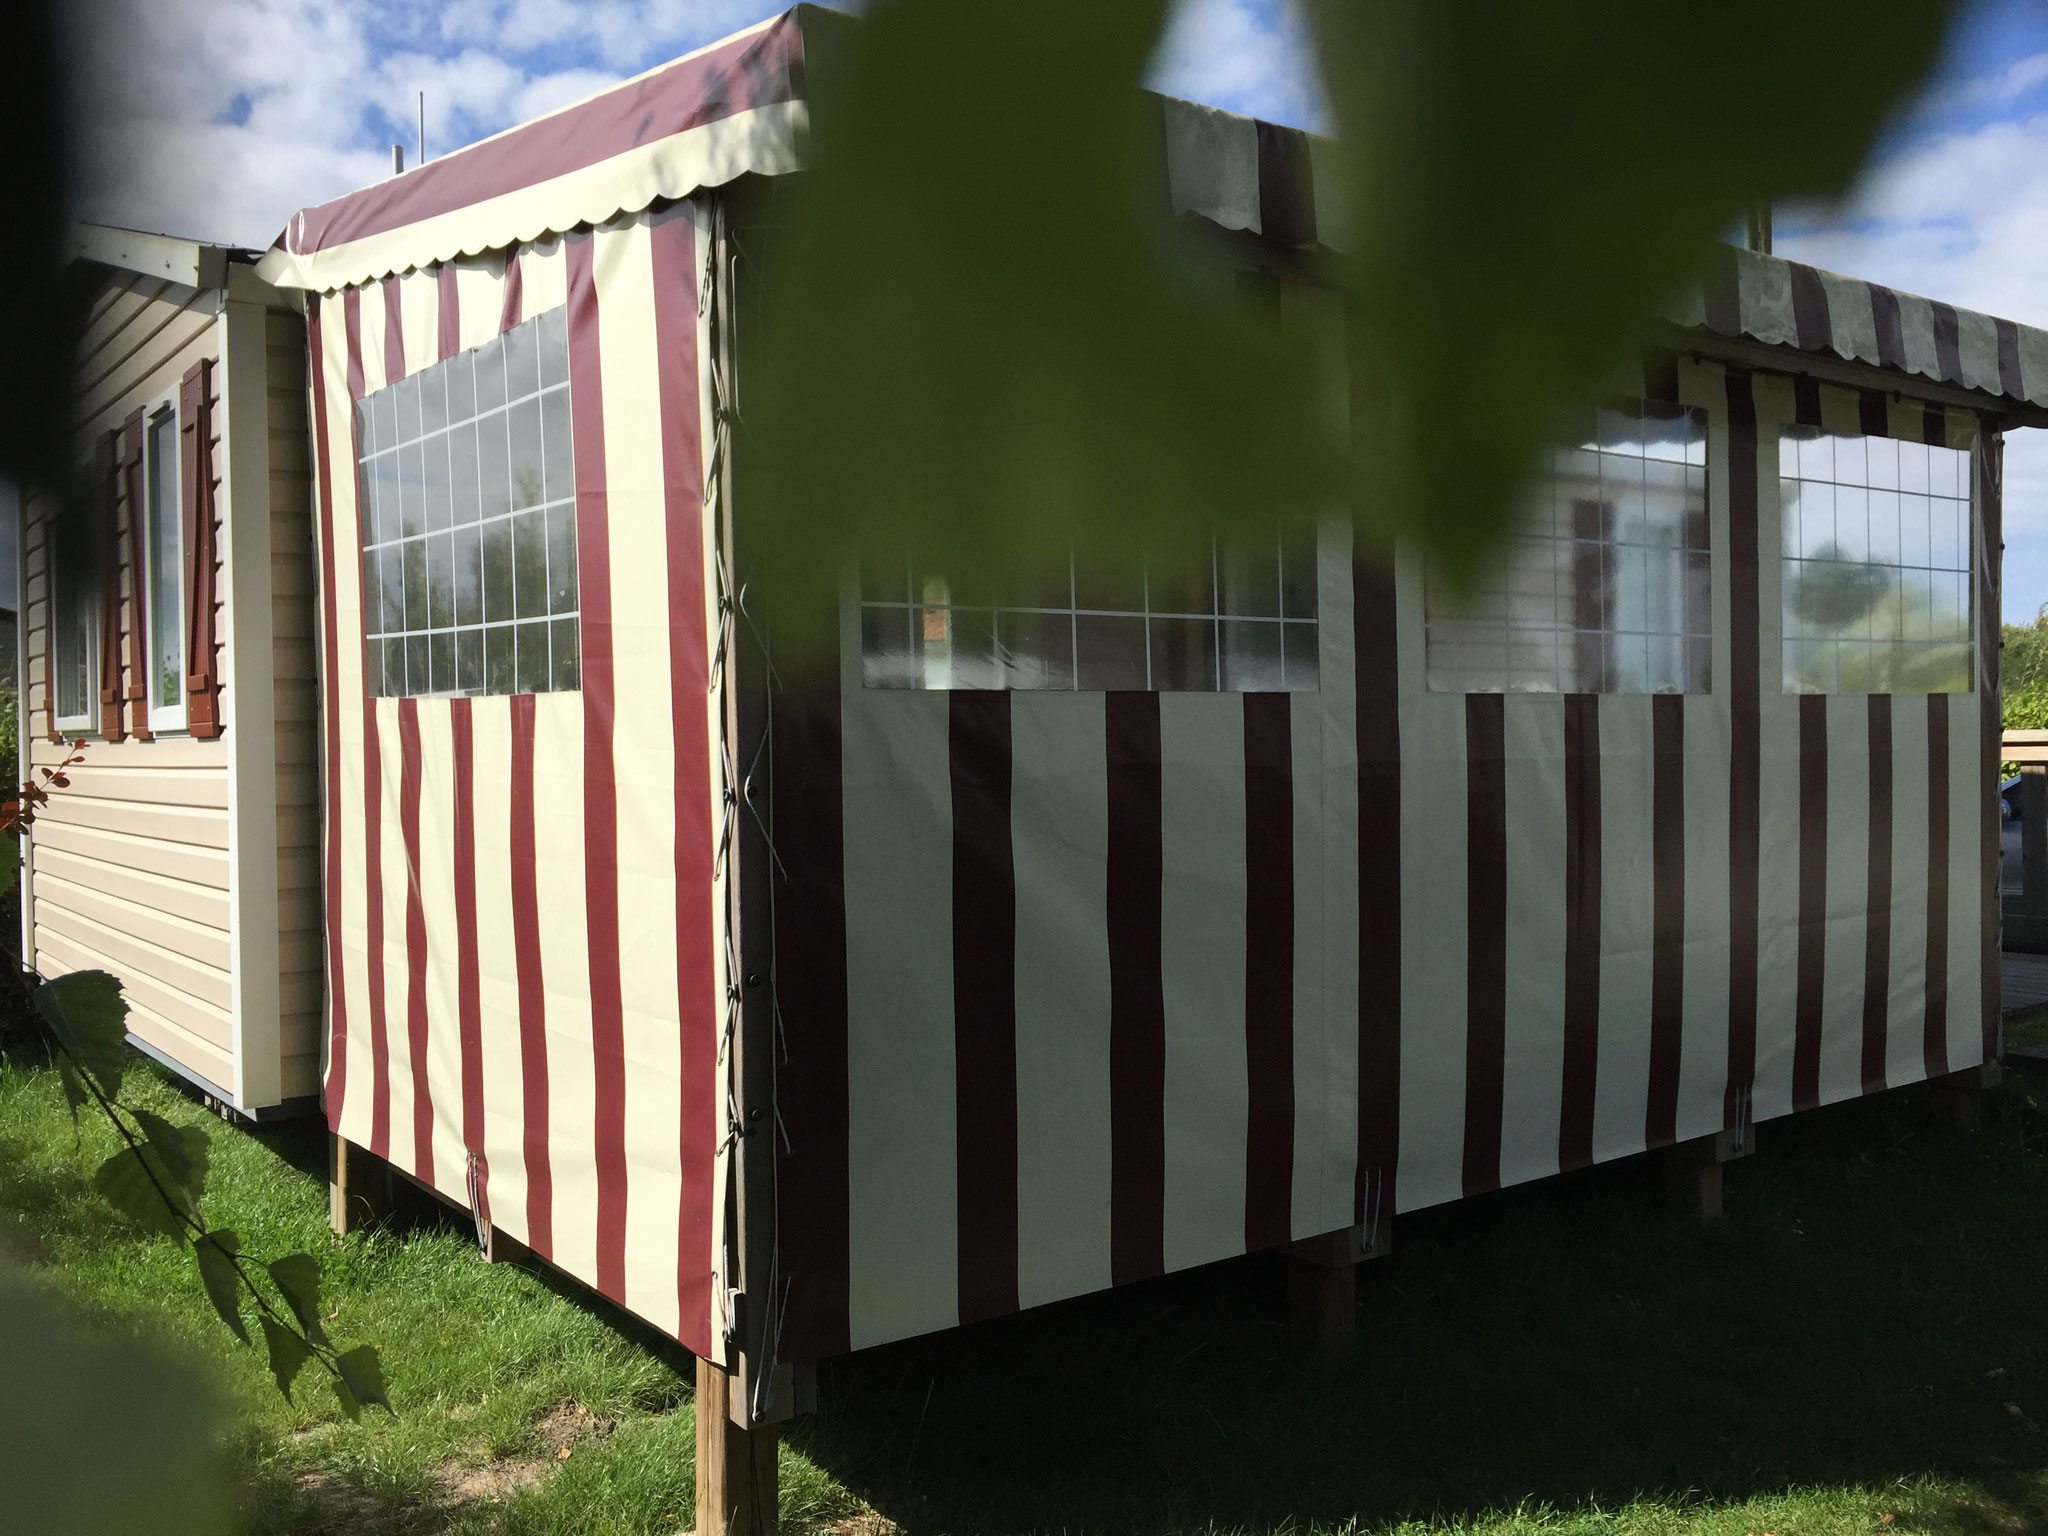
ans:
(128, 866)
(513, 988)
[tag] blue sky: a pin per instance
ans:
(218, 118)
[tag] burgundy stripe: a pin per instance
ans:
(984, 1003)
(1287, 196)
(1934, 427)
(1877, 933)
(1582, 854)
(1268, 969)
(600, 788)
(1948, 348)
(1806, 401)
(1934, 1040)
(1379, 888)
(1873, 413)
(747, 73)
(449, 310)
(468, 987)
(337, 993)
(1667, 915)
(533, 1021)
(1810, 323)
(1991, 482)
(1745, 753)
(673, 240)
(394, 333)
(373, 808)
(1486, 936)
(810, 962)
(1721, 291)
(512, 310)
(1890, 327)
(1810, 996)
(1137, 1002)
(2011, 381)
(415, 940)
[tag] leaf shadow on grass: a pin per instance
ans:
(1859, 1321)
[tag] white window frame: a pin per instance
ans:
(162, 717)
(87, 724)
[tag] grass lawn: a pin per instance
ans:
(1861, 1345)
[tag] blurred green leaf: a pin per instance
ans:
(298, 1277)
(98, 1434)
(361, 1382)
(215, 1252)
(125, 1182)
(986, 336)
(1532, 184)
(287, 1352)
(89, 1016)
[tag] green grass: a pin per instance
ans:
(1843, 1348)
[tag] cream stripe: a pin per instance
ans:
(1059, 828)
(1703, 1040)
(372, 335)
(1202, 942)
(1977, 346)
(1326, 1168)
(419, 310)
(1966, 775)
(1433, 919)
(1533, 1075)
(902, 1143)
(1841, 1042)
(544, 282)
(396, 877)
(479, 299)
(1777, 900)
(1907, 1014)
(1916, 325)
(565, 964)
(352, 983)
(1622, 1082)
(437, 891)
(497, 967)
(644, 766)
(1850, 319)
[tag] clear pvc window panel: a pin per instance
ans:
(1237, 617)
(469, 522)
(74, 616)
(1876, 564)
(1607, 583)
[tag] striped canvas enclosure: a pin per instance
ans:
(799, 1013)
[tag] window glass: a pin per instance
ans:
(1237, 617)
(164, 541)
(469, 522)
(74, 603)
(1876, 564)
(1607, 584)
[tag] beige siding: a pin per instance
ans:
(129, 863)
(294, 634)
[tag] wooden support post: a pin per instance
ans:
(736, 1475)
(358, 1186)
(1959, 1098)
(1322, 1289)
(1693, 1181)
(2032, 795)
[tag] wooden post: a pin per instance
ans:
(1322, 1289)
(358, 1186)
(1693, 1181)
(736, 1474)
(2032, 795)
(1958, 1099)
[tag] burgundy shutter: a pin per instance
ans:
(107, 471)
(195, 435)
(135, 487)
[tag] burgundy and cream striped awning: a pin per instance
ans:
(1751, 296)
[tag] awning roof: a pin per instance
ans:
(737, 107)
(1755, 297)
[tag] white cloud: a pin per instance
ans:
(1249, 56)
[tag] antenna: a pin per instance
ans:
(423, 128)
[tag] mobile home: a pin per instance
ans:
(1052, 941)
